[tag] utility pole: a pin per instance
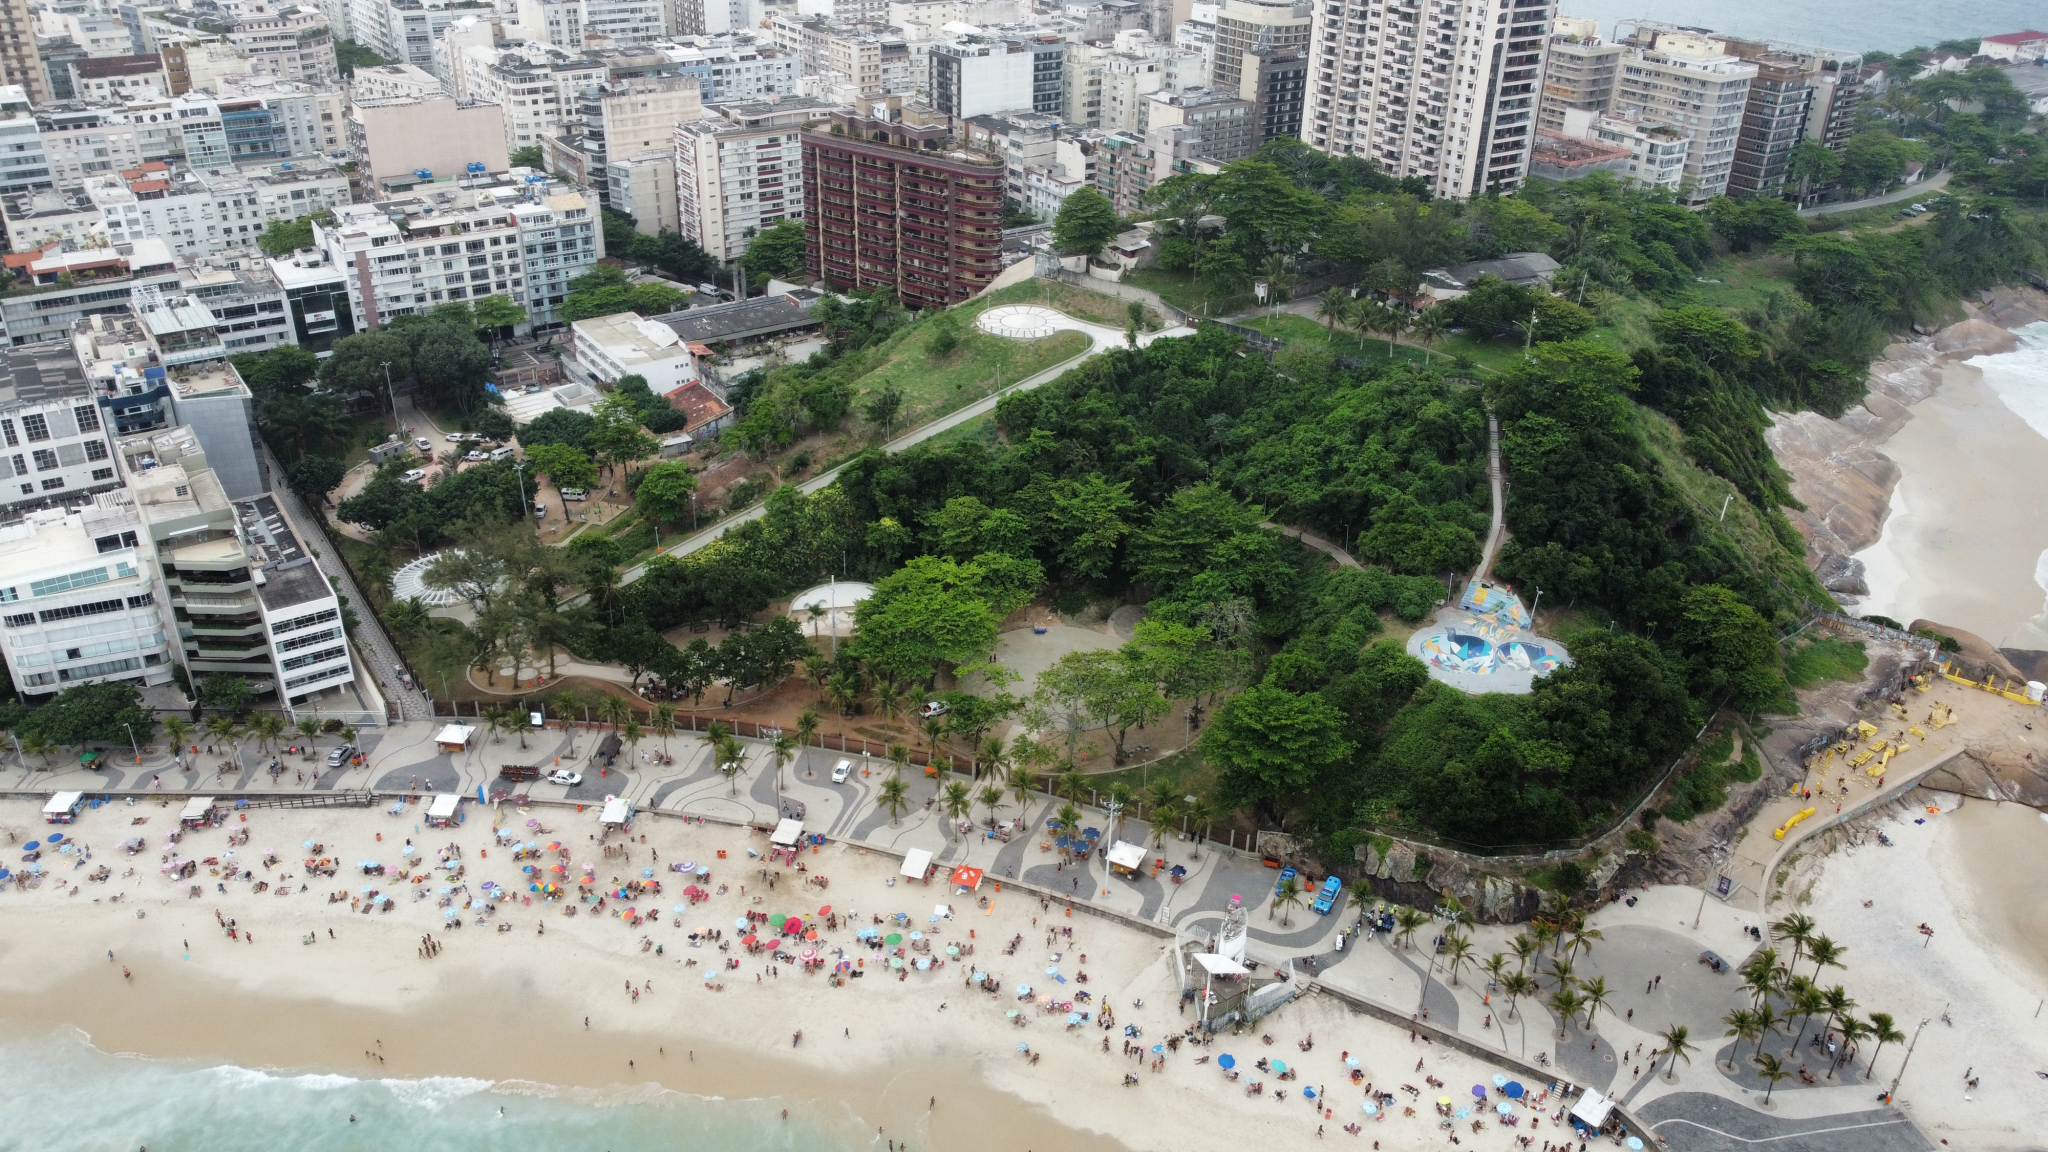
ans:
(1893, 1092)
(1725, 501)
(389, 391)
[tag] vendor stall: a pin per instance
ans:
(787, 834)
(63, 807)
(618, 811)
(198, 812)
(917, 863)
(1126, 858)
(454, 737)
(1591, 1110)
(966, 877)
(441, 813)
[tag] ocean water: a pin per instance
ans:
(2020, 377)
(62, 1094)
(1848, 25)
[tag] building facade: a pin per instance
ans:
(741, 171)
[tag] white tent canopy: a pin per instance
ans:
(787, 833)
(1124, 854)
(1592, 1108)
(917, 862)
(196, 808)
(617, 810)
(443, 807)
(1216, 965)
(456, 734)
(62, 803)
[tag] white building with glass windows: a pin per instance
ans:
(77, 599)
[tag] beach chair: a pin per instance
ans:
(1861, 759)
(1915, 730)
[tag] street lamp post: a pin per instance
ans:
(132, 746)
(392, 394)
(1893, 1091)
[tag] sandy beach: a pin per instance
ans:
(510, 1007)
(1966, 536)
(1977, 874)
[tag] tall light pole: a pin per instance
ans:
(1893, 1091)
(397, 427)
(131, 742)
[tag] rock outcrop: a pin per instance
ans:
(1978, 656)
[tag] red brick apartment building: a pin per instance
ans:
(892, 201)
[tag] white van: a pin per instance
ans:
(502, 451)
(841, 771)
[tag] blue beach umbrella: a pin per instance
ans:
(32, 845)
(1226, 1061)
(1073, 1017)
(1309, 1092)
(1499, 1081)
(1504, 1108)
(1514, 1089)
(56, 836)
(1158, 1049)
(1371, 1109)
(1464, 1113)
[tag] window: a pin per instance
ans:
(97, 607)
(35, 426)
(20, 463)
(315, 657)
(53, 483)
(46, 460)
(102, 474)
(88, 417)
(294, 625)
(319, 637)
(7, 427)
(25, 620)
(65, 583)
(102, 669)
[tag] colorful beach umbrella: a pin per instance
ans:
(1479, 1091)
(1514, 1089)
(1226, 1061)
(1371, 1109)
(893, 939)
(1279, 1067)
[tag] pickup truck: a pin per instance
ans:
(1326, 896)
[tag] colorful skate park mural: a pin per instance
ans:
(1484, 645)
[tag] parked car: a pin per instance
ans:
(931, 709)
(414, 475)
(423, 444)
(1326, 896)
(841, 771)
(476, 457)
(457, 437)
(1713, 961)
(500, 453)
(571, 494)
(566, 779)
(340, 756)
(539, 509)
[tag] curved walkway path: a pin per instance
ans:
(1101, 338)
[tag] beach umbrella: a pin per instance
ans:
(809, 954)
(1012, 1014)
(1279, 1067)
(366, 891)
(750, 940)
(691, 866)
(450, 914)
(710, 976)
(4, 873)
(1479, 1091)
(1052, 970)
(893, 939)
(974, 975)
(923, 962)
(778, 920)
(1158, 1048)
(1443, 1100)
(1499, 1081)
(917, 935)
(1464, 1113)
(32, 845)
(1635, 1144)
(1308, 1092)
(681, 907)
(32, 869)
(533, 887)
(825, 911)
(589, 867)
(895, 962)
(702, 872)
(1021, 1047)
(811, 935)
(1054, 825)
(1351, 1061)
(1178, 870)
(645, 873)
(558, 870)
(1504, 1108)
(55, 836)
(1023, 990)
(307, 844)
(952, 950)
(740, 924)
(1371, 1109)
(1092, 833)
(932, 919)
(1514, 1089)
(1226, 1061)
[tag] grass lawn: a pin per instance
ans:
(1825, 658)
(981, 364)
(1186, 292)
(1742, 283)
(1080, 303)
(1489, 356)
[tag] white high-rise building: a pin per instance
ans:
(1442, 90)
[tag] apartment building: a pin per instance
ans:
(80, 141)
(517, 233)
(111, 79)
(1126, 167)
(1247, 28)
(36, 220)
(1773, 120)
(405, 30)
(58, 288)
(742, 170)
(406, 81)
(621, 118)
(643, 186)
(1657, 151)
(24, 167)
(267, 119)
(20, 63)
(53, 442)
(624, 22)
(1047, 186)
(1025, 141)
(976, 75)
(537, 87)
(291, 43)
(247, 303)
(316, 299)
(1689, 82)
(1276, 82)
(1441, 90)
(1580, 72)
(888, 205)
(78, 598)
(736, 69)
(870, 58)
(204, 213)
(396, 139)
(1202, 123)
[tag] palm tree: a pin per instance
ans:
(222, 729)
(180, 732)
(1565, 1002)
(991, 757)
(1742, 1026)
(1758, 973)
(1201, 816)
(1543, 934)
(1459, 949)
(1365, 317)
(1517, 985)
(34, 744)
(632, 735)
(1162, 816)
(933, 728)
(1286, 897)
(957, 800)
(267, 727)
(1798, 928)
(1883, 1029)
(817, 668)
(1071, 784)
(1334, 305)
(899, 758)
(1393, 322)
(1824, 953)
(1839, 1004)
(1772, 1070)
(1523, 947)
(1594, 992)
(1808, 1002)
(1561, 970)
(662, 720)
(1407, 921)
(843, 689)
(732, 759)
(783, 749)
(1068, 815)
(309, 728)
(894, 796)
(888, 698)
(807, 734)
(1675, 1045)
(991, 798)
(613, 711)
(1582, 938)
(1430, 327)
(1496, 966)
(349, 732)
(1852, 1031)
(1020, 782)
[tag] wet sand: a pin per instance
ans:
(1967, 525)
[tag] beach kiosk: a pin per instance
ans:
(917, 863)
(441, 813)
(1591, 1110)
(617, 812)
(966, 877)
(453, 737)
(1125, 858)
(198, 812)
(787, 839)
(63, 807)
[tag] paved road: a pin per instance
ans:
(1102, 339)
(1496, 483)
(1698, 1122)
(1925, 188)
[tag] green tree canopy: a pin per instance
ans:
(930, 613)
(284, 237)
(568, 467)
(665, 492)
(1086, 222)
(777, 251)
(1270, 742)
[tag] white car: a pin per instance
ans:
(567, 779)
(457, 437)
(424, 445)
(934, 708)
(414, 475)
(841, 771)
(477, 457)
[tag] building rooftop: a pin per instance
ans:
(99, 67)
(287, 576)
(2015, 38)
(698, 403)
(58, 538)
(168, 475)
(629, 339)
(743, 319)
(1522, 268)
(39, 373)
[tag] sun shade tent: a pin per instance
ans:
(787, 833)
(1216, 965)
(454, 737)
(968, 878)
(62, 806)
(917, 862)
(197, 809)
(442, 811)
(1592, 1109)
(617, 810)
(1126, 857)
